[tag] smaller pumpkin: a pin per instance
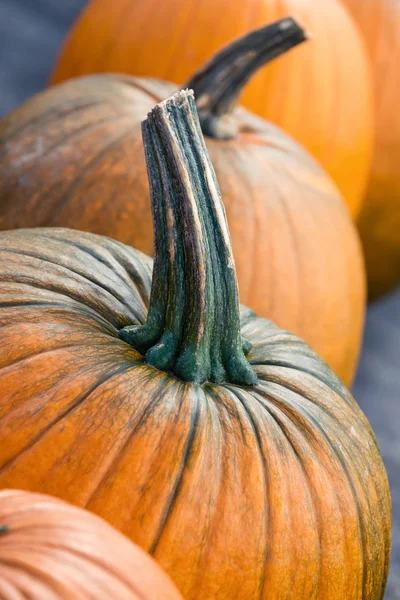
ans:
(50, 550)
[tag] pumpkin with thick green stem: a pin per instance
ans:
(221, 444)
(73, 157)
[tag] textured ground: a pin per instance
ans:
(30, 34)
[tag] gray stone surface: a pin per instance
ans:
(30, 34)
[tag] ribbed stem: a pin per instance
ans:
(3, 529)
(193, 325)
(218, 84)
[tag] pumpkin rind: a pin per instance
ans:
(321, 94)
(72, 157)
(265, 492)
(379, 222)
(50, 550)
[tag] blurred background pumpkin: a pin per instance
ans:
(309, 93)
(379, 22)
(51, 550)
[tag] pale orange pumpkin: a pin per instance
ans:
(321, 94)
(379, 223)
(51, 550)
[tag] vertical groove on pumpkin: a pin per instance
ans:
(241, 397)
(177, 486)
(193, 327)
(218, 84)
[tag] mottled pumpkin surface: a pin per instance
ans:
(50, 550)
(73, 157)
(272, 491)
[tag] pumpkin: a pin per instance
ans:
(50, 550)
(221, 444)
(72, 157)
(321, 94)
(379, 222)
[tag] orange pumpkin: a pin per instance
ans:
(72, 157)
(219, 443)
(50, 550)
(321, 94)
(379, 223)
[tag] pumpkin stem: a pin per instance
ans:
(3, 529)
(218, 84)
(193, 325)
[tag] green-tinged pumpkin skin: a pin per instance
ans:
(72, 157)
(379, 221)
(50, 550)
(321, 94)
(271, 489)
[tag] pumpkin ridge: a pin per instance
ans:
(134, 278)
(85, 128)
(342, 462)
(288, 365)
(42, 118)
(96, 283)
(132, 272)
(11, 365)
(347, 352)
(64, 553)
(240, 395)
(272, 406)
(23, 303)
(83, 174)
(276, 410)
(266, 403)
(72, 136)
(84, 311)
(296, 254)
(73, 405)
(71, 295)
(172, 499)
(289, 385)
(222, 400)
(157, 398)
(312, 426)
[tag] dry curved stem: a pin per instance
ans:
(218, 84)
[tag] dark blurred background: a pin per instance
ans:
(31, 32)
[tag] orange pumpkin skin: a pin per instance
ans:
(73, 157)
(379, 223)
(321, 94)
(265, 492)
(50, 550)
